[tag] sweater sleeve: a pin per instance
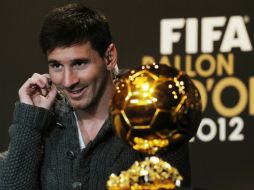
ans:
(19, 166)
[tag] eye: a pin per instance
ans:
(80, 64)
(56, 67)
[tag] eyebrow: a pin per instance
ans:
(73, 61)
(85, 60)
(52, 61)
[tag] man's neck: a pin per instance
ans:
(90, 127)
(90, 121)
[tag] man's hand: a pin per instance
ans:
(38, 91)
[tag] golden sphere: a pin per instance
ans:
(155, 106)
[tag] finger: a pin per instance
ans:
(35, 84)
(52, 93)
(48, 80)
(33, 87)
(42, 80)
(44, 91)
(41, 83)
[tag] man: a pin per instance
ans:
(62, 136)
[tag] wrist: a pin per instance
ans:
(32, 116)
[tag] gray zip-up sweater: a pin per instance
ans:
(44, 153)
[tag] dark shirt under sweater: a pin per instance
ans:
(44, 153)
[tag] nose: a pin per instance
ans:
(70, 78)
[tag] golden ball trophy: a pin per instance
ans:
(155, 107)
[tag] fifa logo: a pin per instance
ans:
(225, 33)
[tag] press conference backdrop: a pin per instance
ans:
(212, 41)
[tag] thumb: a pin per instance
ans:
(52, 93)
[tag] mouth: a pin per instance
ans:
(76, 93)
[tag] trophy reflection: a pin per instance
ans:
(155, 107)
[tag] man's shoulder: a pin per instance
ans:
(3, 155)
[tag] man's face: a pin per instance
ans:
(80, 73)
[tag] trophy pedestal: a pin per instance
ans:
(151, 174)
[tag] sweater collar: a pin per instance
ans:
(62, 108)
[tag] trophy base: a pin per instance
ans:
(151, 174)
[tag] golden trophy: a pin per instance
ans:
(155, 107)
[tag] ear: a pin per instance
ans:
(111, 57)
